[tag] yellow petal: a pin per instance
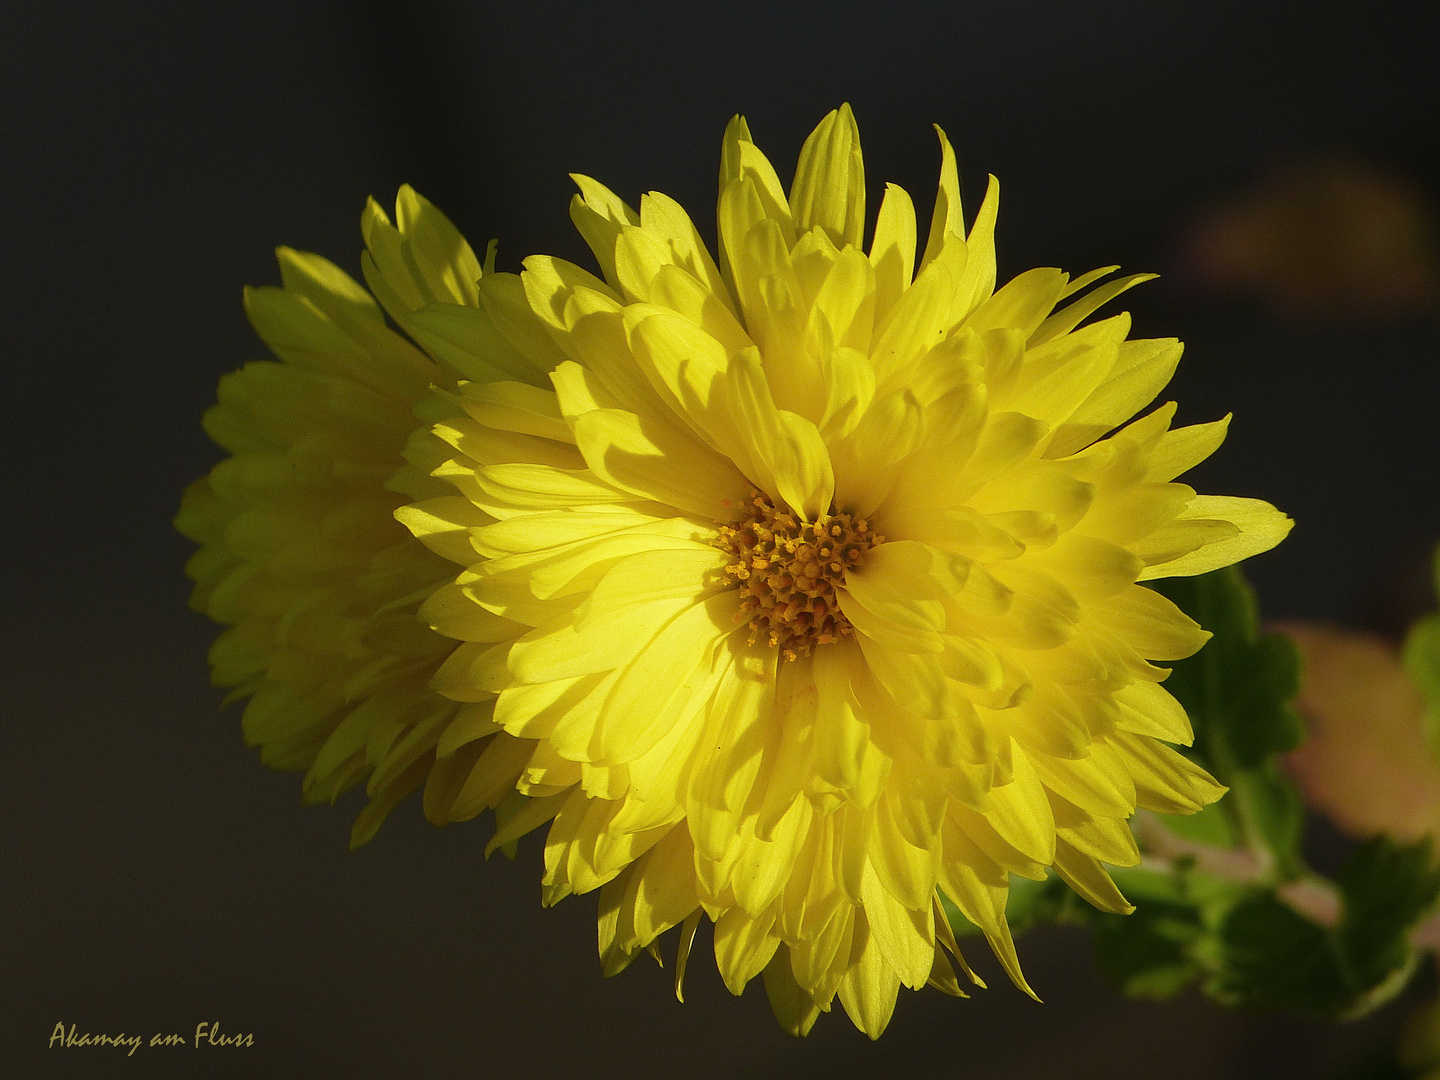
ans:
(905, 937)
(870, 985)
(793, 1006)
(1165, 781)
(667, 219)
(743, 947)
(829, 187)
(948, 217)
(892, 251)
(655, 462)
(1067, 318)
(783, 445)
(599, 215)
(1088, 878)
(1261, 528)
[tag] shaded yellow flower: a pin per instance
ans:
(812, 585)
(300, 554)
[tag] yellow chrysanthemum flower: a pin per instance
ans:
(300, 553)
(812, 586)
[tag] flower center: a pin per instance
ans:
(788, 570)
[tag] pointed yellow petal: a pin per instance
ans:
(687, 938)
(870, 985)
(829, 188)
(794, 1007)
(948, 218)
(1261, 528)
(1088, 878)
(892, 251)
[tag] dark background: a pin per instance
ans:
(153, 874)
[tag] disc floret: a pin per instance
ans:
(788, 570)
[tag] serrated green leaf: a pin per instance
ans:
(1237, 690)
(1274, 957)
(1238, 687)
(1263, 952)
(1274, 680)
(1387, 888)
(1254, 948)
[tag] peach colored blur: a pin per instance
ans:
(1366, 764)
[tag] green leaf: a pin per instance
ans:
(1272, 956)
(1387, 887)
(1252, 947)
(1237, 690)
(1275, 958)
(1238, 687)
(1171, 938)
(1241, 936)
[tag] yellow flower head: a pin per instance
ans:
(812, 586)
(300, 551)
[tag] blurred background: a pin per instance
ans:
(1277, 163)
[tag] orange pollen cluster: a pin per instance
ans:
(788, 570)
